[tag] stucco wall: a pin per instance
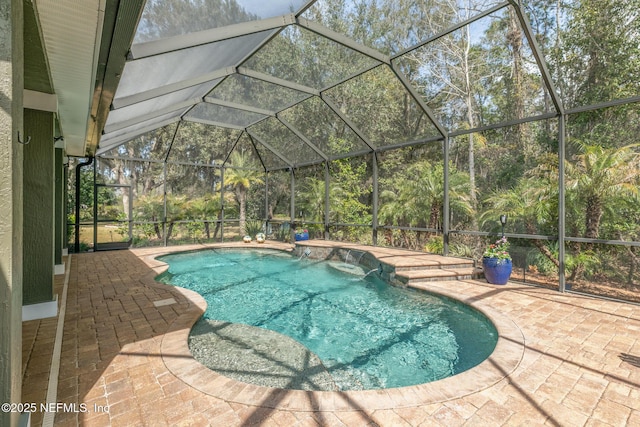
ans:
(11, 84)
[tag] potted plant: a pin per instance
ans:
(302, 235)
(496, 262)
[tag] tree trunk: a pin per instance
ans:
(242, 199)
(156, 228)
(170, 230)
(592, 229)
(514, 38)
(434, 217)
(472, 123)
(531, 229)
(215, 232)
(592, 217)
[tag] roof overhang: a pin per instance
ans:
(85, 44)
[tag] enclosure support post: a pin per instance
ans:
(445, 202)
(327, 204)
(293, 199)
(130, 216)
(164, 203)
(222, 204)
(78, 183)
(561, 204)
(374, 219)
(95, 207)
(266, 201)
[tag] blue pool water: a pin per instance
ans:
(368, 334)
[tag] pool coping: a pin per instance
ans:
(178, 359)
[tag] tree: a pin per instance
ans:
(600, 178)
(312, 198)
(419, 197)
(205, 208)
(240, 177)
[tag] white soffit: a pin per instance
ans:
(71, 31)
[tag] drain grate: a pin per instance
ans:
(164, 302)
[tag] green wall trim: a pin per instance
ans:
(59, 206)
(39, 208)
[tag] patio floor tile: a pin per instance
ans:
(126, 358)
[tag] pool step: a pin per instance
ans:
(401, 267)
(448, 272)
(423, 261)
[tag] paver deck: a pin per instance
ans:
(562, 359)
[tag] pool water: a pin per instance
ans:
(368, 334)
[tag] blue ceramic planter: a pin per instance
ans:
(497, 271)
(302, 236)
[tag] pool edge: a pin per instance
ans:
(177, 357)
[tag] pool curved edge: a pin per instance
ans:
(505, 358)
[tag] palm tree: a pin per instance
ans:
(312, 195)
(205, 208)
(240, 177)
(418, 200)
(531, 202)
(600, 177)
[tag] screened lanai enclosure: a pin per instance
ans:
(400, 123)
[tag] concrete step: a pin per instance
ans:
(432, 274)
(426, 261)
(453, 265)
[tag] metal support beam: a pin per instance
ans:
(501, 125)
(179, 109)
(351, 77)
(302, 137)
(266, 201)
(214, 77)
(451, 30)
(233, 147)
(185, 41)
(273, 150)
(418, 99)
(446, 209)
(277, 81)
(348, 122)
(345, 41)
(327, 200)
(602, 105)
(212, 123)
(374, 220)
(561, 203)
(292, 206)
(173, 138)
(222, 202)
(237, 106)
(258, 153)
(164, 204)
(110, 143)
(542, 64)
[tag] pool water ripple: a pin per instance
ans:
(368, 335)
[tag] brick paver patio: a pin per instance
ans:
(564, 360)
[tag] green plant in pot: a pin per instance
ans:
(496, 262)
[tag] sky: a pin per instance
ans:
(269, 8)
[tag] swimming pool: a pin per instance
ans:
(367, 334)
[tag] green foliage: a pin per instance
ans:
(468, 80)
(541, 263)
(435, 245)
(499, 249)
(253, 227)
